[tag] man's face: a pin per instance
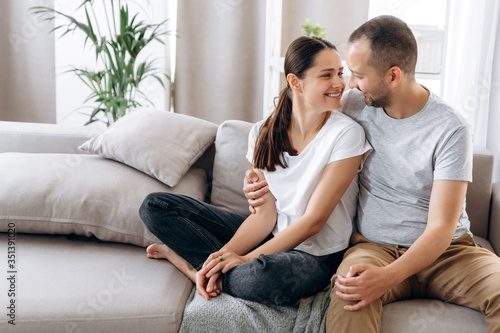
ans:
(364, 77)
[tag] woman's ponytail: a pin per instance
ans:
(273, 141)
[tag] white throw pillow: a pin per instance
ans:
(161, 144)
(81, 194)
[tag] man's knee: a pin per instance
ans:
(338, 319)
(362, 254)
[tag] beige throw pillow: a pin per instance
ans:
(81, 194)
(161, 144)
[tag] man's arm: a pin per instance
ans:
(365, 283)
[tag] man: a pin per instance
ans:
(413, 237)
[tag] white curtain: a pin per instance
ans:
(493, 129)
(220, 55)
(27, 82)
(220, 59)
(338, 17)
(471, 61)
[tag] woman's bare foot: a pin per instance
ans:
(158, 251)
(162, 251)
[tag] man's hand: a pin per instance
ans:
(254, 190)
(363, 283)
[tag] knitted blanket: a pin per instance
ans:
(227, 314)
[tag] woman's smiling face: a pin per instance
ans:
(323, 84)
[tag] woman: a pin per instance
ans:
(309, 155)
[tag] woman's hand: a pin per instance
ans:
(207, 287)
(221, 261)
(208, 282)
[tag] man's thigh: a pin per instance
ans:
(366, 252)
(465, 274)
(367, 319)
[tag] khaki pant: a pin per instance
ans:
(464, 274)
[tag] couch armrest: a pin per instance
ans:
(494, 233)
(43, 138)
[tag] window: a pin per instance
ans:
(428, 21)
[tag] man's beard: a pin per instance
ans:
(382, 97)
(379, 102)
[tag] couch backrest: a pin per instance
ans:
(479, 192)
(230, 165)
(43, 138)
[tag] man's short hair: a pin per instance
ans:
(392, 43)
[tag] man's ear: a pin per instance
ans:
(293, 82)
(394, 76)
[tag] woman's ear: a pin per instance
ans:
(293, 82)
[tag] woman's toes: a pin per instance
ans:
(157, 251)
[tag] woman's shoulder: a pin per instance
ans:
(340, 121)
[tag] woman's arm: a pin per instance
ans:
(334, 181)
(250, 234)
(331, 186)
(256, 227)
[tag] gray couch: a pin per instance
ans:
(64, 281)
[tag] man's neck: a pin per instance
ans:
(407, 101)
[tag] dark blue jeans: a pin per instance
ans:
(194, 230)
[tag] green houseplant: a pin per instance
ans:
(311, 28)
(115, 81)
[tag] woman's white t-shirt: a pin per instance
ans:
(340, 138)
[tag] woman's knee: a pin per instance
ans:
(154, 206)
(148, 205)
(274, 280)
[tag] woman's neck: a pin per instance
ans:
(304, 127)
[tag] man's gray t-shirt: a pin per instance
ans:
(408, 155)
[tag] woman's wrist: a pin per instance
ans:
(247, 258)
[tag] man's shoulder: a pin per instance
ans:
(446, 113)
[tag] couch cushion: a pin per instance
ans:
(425, 315)
(230, 165)
(161, 144)
(411, 316)
(82, 194)
(79, 285)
